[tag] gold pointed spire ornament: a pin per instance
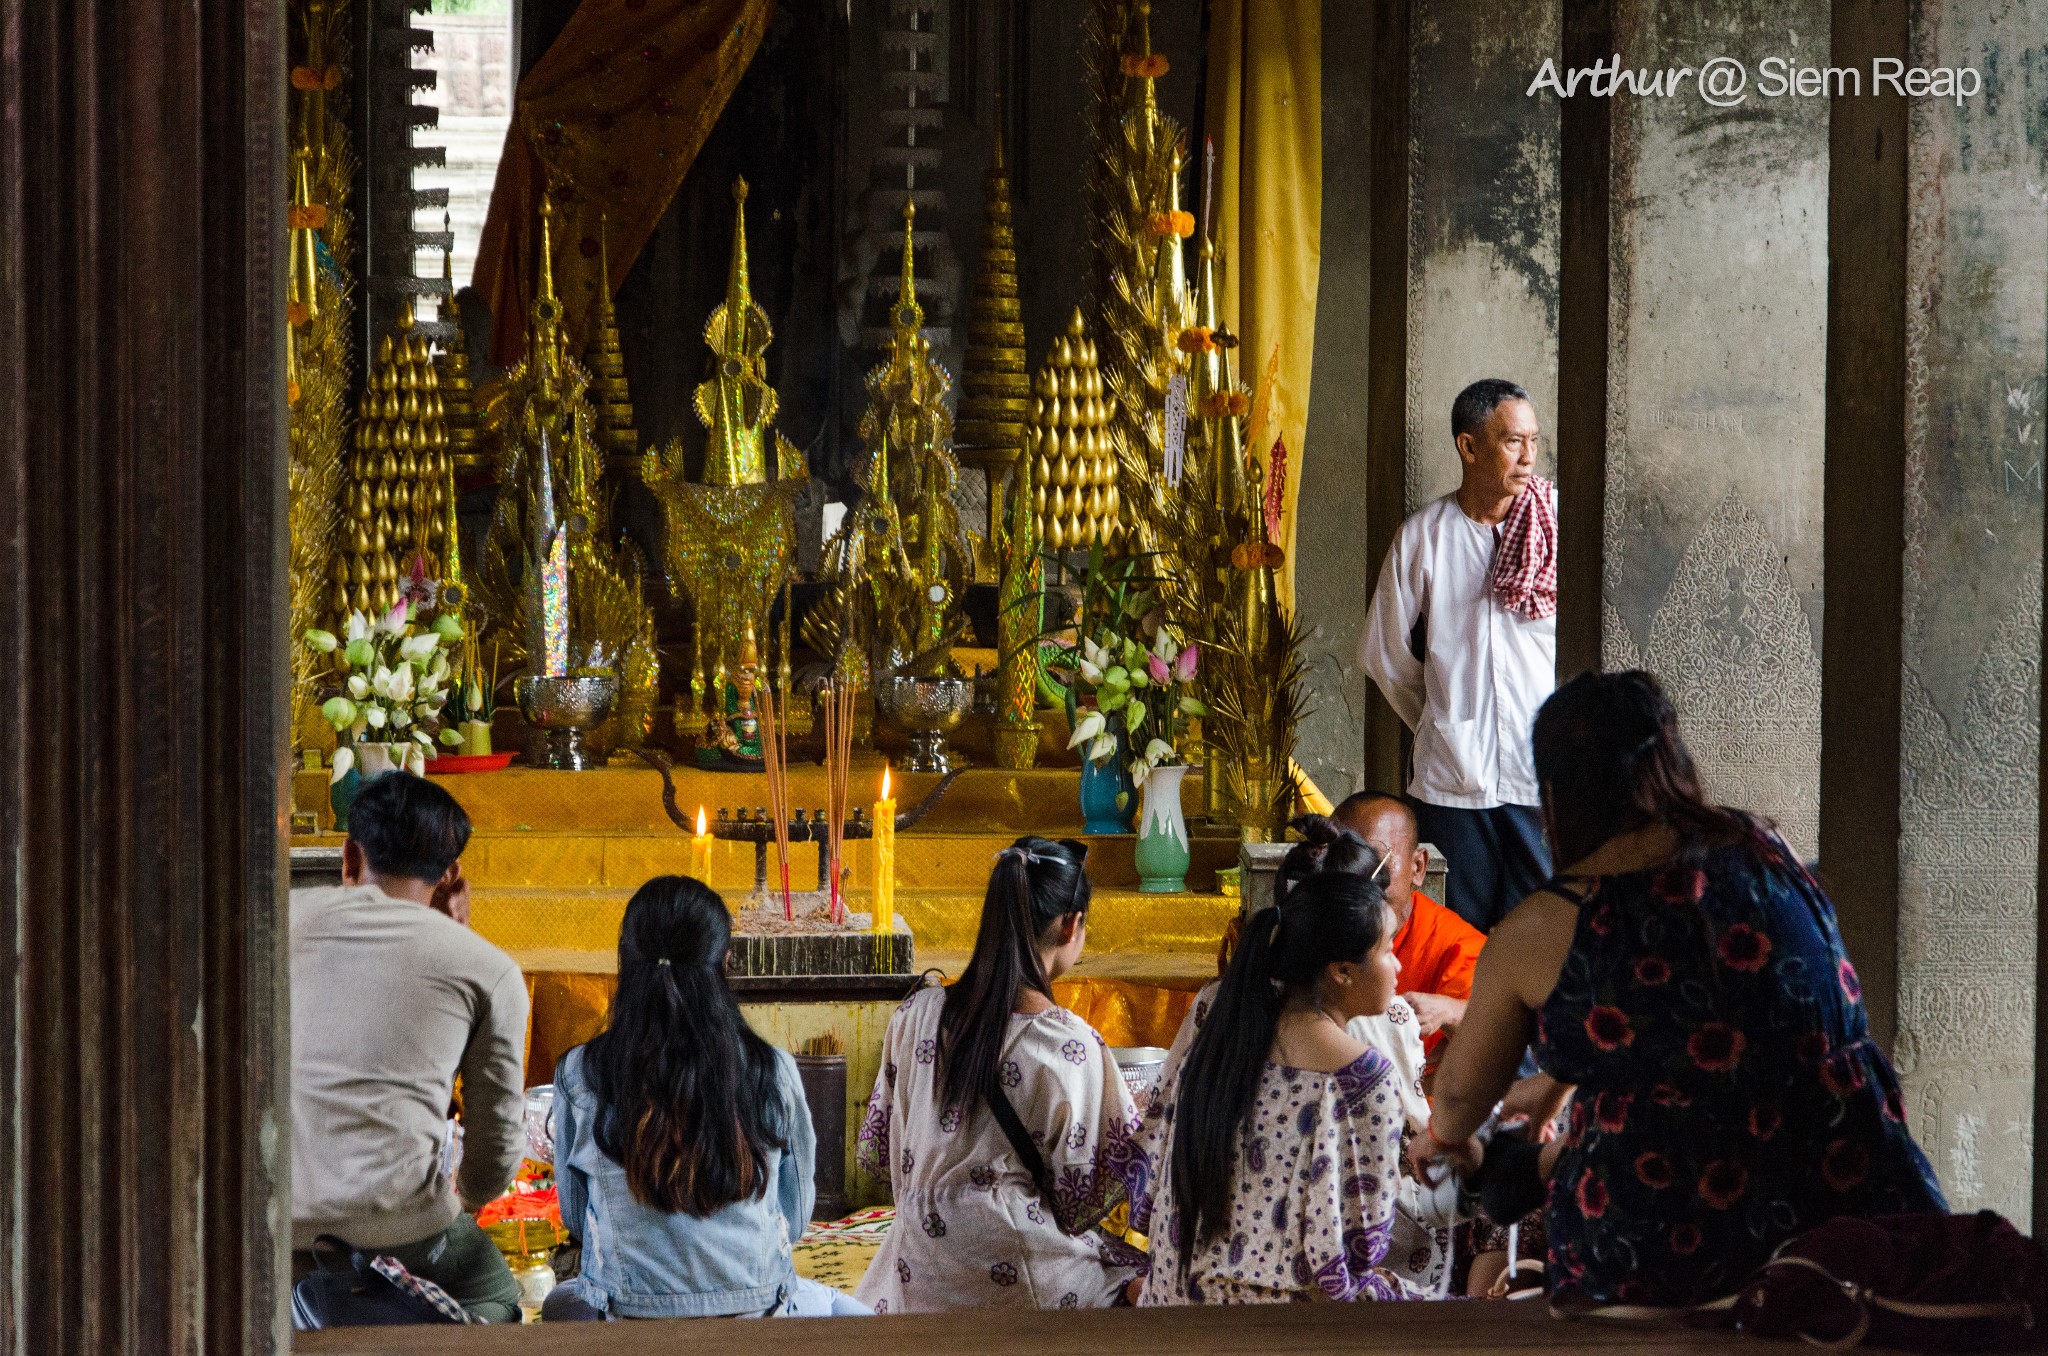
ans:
(1139, 277)
(399, 476)
(1073, 474)
(995, 381)
(319, 319)
(1019, 603)
(451, 367)
(542, 432)
(909, 435)
(730, 539)
(606, 364)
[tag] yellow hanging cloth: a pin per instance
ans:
(1265, 113)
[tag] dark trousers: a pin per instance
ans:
(1497, 857)
(462, 1260)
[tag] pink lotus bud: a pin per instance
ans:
(1184, 666)
(1156, 667)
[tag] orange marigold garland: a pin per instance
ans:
(311, 217)
(1149, 66)
(1197, 339)
(1225, 405)
(1162, 224)
(307, 79)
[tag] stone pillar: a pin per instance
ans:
(1976, 414)
(1716, 364)
(1440, 266)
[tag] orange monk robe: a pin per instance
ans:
(1438, 951)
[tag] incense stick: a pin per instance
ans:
(773, 751)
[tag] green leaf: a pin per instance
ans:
(1134, 715)
(1112, 697)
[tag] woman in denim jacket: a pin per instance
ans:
(683, 1144)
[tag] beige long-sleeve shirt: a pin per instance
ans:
(390, 1000)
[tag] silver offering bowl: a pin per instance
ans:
(927, 710)
(560, 710)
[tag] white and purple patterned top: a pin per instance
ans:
(971, 1231)
(1312, 1196)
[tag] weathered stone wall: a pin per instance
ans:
(1483, 224)
(1717, 361)
(1970, 722)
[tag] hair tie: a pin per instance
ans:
(1025, 855)
(662, 961)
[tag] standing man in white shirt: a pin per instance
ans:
(1462, 639)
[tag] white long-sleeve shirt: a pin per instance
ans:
(1472, 698)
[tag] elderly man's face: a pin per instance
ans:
(1500, 456)
(1387, 827)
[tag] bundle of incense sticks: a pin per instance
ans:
(838, 767)
(775, 762)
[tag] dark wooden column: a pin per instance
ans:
(1865, 489)
(1386, 403)
(1586, 158)
(143, 1103)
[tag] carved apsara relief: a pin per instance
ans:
(1733, 648)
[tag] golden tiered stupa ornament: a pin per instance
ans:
(995, 382)
(551, 530)
(731, 538)
(909, 433)
(1140, 278)
(319, 248)
(1074, 482)
(397, 520)
(607, 367)
(451, 364)
(1019, 600)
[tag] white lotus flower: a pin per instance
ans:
(420, 647)
(380, 681)
(344, 761)
(1089, 728)
(1159, 751)
(1139, 768)
(358, 686)
(1101, 749)
(1163, 645)
(439, 671)
(402, 683)
(1094, 653)
(376, 716)
(393, 623)
(358, 626)
(1091, 674)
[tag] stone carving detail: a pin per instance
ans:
(1967, 835)
(1733, 648)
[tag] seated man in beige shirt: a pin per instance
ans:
(391, 998)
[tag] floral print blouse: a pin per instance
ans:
(1312, 1199)
(971, 1231)
(1729, 1095)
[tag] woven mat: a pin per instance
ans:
(839, 1253)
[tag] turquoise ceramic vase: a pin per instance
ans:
(341, 794)
(1162, 851)
(1107, 802)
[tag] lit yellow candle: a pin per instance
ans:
(884, 904)
(700, 849)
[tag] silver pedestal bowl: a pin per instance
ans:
(559, 710)
(927, 710)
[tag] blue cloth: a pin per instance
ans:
(1496, 857)
(806, 1299)
(1729, 1095)
(641, 1263)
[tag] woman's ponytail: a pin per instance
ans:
(1325, 917)
(1035, 883)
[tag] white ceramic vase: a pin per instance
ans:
(1162, 848)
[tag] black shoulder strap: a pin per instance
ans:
(1027, 1152)
(1555, 885)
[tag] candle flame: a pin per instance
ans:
(885, 782)
(702, 825)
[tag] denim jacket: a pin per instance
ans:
(641, 1263)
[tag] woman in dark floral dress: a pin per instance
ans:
(1687, 976)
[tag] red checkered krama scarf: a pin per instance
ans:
(1524, 573)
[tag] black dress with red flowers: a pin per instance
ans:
(1729, 1095)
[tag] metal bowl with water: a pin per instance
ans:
(1140, 1066)
(560, 710)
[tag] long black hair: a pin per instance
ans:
(1325, 917)
(1036, 883)
(1610, 759)
(688, 1097)
(1325, 845)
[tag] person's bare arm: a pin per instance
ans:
(1436, 1012)
(1516, 973)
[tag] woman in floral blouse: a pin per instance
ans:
(1278, 1140)
(1686, 974)
(972, 1229)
